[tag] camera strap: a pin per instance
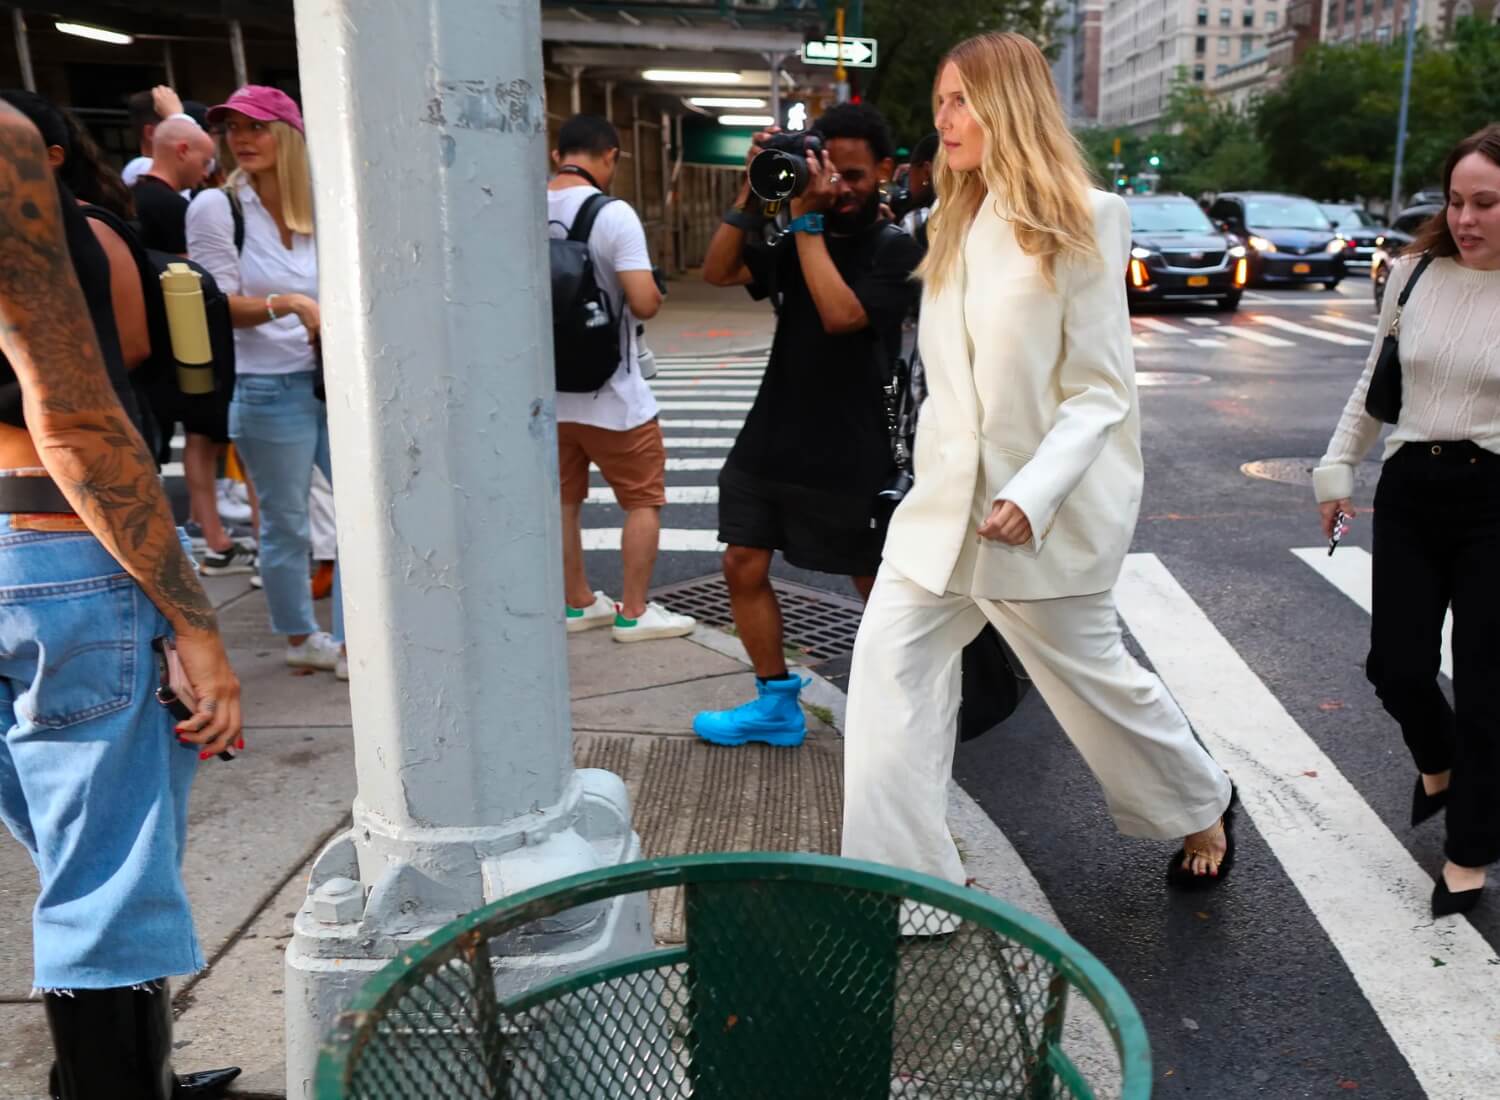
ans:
(581, 173)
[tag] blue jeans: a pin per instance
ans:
(93, 781)
(280, 429)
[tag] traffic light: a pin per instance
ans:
(1154, 161)
(1122, 182)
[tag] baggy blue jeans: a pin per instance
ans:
(281, 431)
(93, 781)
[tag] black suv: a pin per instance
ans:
(1291, 241)
(1177, 254)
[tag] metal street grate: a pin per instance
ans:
(819, 624)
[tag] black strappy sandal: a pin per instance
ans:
(1180, 877)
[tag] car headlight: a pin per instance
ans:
(1337, 245)
(1238, 252)
(1141, 253)
(1379, 242)
(1260, 244)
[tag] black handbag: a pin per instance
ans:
(1383, 398)
(991, 687)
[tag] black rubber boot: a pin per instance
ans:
(117, 1044)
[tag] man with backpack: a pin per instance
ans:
(602, 284)
(807, 473)
(181, 154)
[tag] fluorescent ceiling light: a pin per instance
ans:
(98, 34)
(690, 76)
(714, 101)
(746, 120)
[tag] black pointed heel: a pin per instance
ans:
(1446, 903)
(1179, 877)
(1424, 805)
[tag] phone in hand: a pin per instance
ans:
(174, 691)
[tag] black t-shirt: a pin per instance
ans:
(91, 266)
(162, 214)
(819, 418)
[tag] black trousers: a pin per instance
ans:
(1437, 543)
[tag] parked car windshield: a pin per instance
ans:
(1168, 216)
(1349, 217)
(1285, 214)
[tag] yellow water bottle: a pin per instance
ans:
(187, 319)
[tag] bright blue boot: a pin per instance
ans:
(774, 717)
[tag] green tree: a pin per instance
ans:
(1206, 144)
(1099, 147)
(915, 36)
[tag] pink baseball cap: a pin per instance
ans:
(262, 104)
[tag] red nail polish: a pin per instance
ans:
(240, 744)
(181, 729)
(204, 755)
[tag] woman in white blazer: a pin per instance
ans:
(1028, 483)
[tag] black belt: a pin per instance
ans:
(32, 494)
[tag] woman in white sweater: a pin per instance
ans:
(1437, 515)
(1028, 483)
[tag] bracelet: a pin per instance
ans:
(808, 223)
(270, 309)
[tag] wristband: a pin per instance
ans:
(743, 219)
(807, 223)
(271, 309)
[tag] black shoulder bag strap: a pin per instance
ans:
(588, 213)
(237, 215)
(1383, 396)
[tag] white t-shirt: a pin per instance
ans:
(617, 243)
(135, 170)
(264, 267)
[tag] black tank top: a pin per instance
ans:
(92, 268)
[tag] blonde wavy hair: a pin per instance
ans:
(1032, 162)
(293, 173)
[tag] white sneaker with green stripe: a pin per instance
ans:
(597, 614)
(656, 622)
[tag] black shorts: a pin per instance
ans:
(814, 529)
(200, 414)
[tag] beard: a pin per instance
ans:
(853, 221)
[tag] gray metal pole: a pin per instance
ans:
(429, 174)
(237, 53)
(168, 63)
(1411, 38)
(23, 49)
(774, 60)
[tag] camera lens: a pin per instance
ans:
(776, 176)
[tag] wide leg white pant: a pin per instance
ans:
(903, 708)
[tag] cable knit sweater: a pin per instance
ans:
(1450, 371)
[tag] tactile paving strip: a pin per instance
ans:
(819, 624)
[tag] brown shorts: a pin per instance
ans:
(633, 462)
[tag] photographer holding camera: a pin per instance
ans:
(806, 472)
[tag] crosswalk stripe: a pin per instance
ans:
(1203, 322)
(1327, 839)
(171, 469)
(732, 425)
(716, 463)
(673, 539)
(688, 442)
(1202, 343)
(705, 406)
(706, 372)
(1351, 571)
(694, 391)
(1304, 330)
(1344, 322)
(676, 494)
(1160, 326)
(1256, 337)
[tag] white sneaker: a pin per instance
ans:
(233, 500)
(341, 670)
(599, 613)
(318, 651)
(655, 622)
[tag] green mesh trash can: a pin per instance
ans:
(801, 976)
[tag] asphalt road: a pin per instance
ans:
(1281, 983)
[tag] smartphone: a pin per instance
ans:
(1340, 529)
(173, 691)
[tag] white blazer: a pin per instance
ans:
(1031, 399)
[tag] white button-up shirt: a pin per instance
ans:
(264, 267)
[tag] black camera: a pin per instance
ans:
(899, 199)
(779, 170)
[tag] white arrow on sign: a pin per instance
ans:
(859, 53)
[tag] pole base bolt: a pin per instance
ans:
(339, 901)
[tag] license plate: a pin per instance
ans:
(1302, 269)
(1197, 280)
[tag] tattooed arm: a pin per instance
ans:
(81, 433)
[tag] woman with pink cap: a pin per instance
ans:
(256, 237)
